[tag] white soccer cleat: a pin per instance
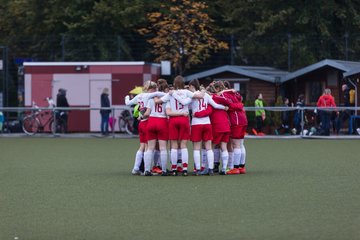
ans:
(136, 172)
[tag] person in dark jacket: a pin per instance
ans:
(344, 114)
(105, 113)
(297, 117)
(284, 118)
(62, 115)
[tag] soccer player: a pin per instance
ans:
(142, 99)
(179, 124)
(201, 130)
(157, 131)
(238, 121)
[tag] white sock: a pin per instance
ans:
(163, 159)
(231, 160)
(197, 159)
(216, 155)
(185, 158)
(225, 159)
(138, 157)
(148, 156)
(237, 156)
(210, 157)
(243, 152)
(173, 158)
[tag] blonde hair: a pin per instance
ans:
(149, 85)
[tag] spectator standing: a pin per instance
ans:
(62, 115)
(297, 118)
(284, 118)
(344, 114)
(325, 101)
(259, 114)
(105, 113)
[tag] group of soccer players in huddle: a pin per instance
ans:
(213, 119)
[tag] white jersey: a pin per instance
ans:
(174, 104)
(157, 109)
(201, 104)
(142, 99)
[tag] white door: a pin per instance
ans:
(96, 89)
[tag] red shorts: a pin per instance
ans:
(219, 137)
(142, 131)
(202, 132)
(179, 128)
(157, 128)
(238, 132)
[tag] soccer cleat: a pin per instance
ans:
(148, 173)
(136, 172)
(242, 170)
(164, 173)
(184, 173)
(222, 172)
(196, 172)
(233, 171)
(174, 173)
(156, 170)
(211, 172)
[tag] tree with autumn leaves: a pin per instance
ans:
(182, 32)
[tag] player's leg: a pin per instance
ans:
(224, 157)
(163, 156)
(138, 159)
(197, 158)
(174, 155)
(243, 151)
(210, 156)
(148, 156)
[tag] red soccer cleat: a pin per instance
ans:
(242, 170)
(156, 170)
(233, 171)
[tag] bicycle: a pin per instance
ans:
(126, 122)
(38, 120)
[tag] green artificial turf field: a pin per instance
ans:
(83, 189)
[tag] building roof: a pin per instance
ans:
(352, 72)
(263, 73)
(86, 63)
(345, 66)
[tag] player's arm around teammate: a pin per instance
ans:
(201, 130)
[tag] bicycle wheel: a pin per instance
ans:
(52, 126)
(121, 124)
(30, 125)
(129, 127)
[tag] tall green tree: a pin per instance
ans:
(314, 29)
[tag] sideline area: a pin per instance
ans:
(127, 136)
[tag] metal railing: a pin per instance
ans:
(271, 112)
